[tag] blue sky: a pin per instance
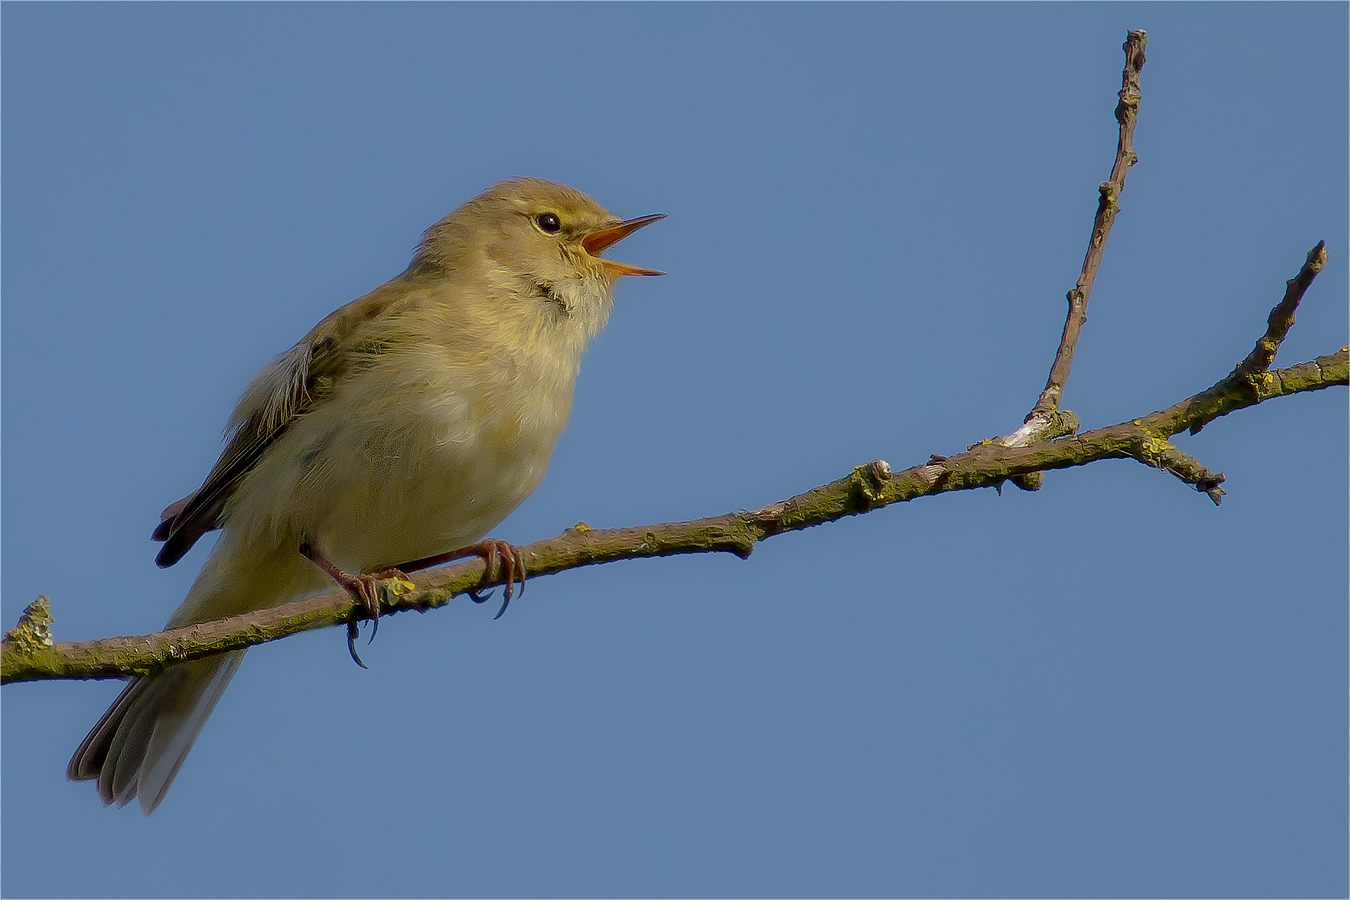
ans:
(1107, 688)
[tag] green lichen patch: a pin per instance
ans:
(34, 630)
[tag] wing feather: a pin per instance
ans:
(280, 394)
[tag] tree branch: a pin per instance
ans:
(1127, 112)
(28, 652)
(1281, 318)
(1046, 421)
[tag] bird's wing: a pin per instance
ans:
(275, 400)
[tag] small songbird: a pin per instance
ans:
(395, 435)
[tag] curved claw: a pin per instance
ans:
(487, 595)
(515, 575)
(352, 632)
(493, 553)
(364, 589)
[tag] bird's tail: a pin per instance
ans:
(139, 745)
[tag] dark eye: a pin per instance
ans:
(548, 223)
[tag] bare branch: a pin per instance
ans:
(1281, 318)
(1127, 111)
(1046, 421)
(1190, 470)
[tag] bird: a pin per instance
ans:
(395, 435)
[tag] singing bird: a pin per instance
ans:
(399, 432)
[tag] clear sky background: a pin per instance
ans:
(1110, 687)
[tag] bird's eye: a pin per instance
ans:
(548, 223)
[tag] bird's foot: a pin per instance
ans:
(366, 590)
(503, 561)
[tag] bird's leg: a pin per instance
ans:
(502, 559)
(364, 589)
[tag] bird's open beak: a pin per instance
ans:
(607, 235)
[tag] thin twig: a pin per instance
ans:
(1045, 421)
(1127, 112)
(1254, 371)
(1190, 470)
(1281, 318)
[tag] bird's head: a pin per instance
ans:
(530, 239)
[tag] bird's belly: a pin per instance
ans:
(411, 477)
(441, 487)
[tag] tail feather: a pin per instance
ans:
(139, 745)
(176, 732)
(88, 760)
(117, 779)
(137, 748)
